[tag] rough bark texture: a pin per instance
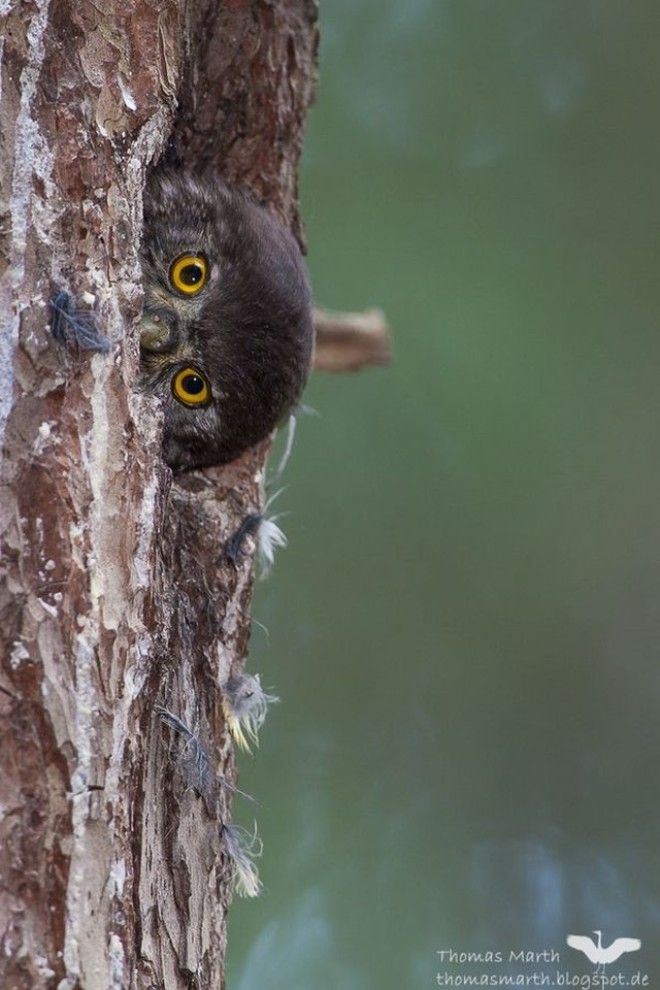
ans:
(115, 593)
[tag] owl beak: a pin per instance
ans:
(158, 332)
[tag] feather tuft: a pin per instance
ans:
(193, 764)
(245, 706)
(243, 848)
(71, 325)
(269, 539)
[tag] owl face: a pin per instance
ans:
(226, 332)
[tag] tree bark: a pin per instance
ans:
(116, 595)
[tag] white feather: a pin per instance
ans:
(290, 437)
(269, 539)
(245, 705)
(243, 848)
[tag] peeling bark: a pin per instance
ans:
(115, 595)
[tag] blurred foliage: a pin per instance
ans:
(464, 629)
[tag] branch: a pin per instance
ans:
(351, 341)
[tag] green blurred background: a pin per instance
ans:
(464, 629)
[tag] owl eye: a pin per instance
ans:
(191, 387)
(189, 274)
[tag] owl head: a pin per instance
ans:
(226, 332)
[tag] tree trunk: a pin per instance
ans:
(116, 596)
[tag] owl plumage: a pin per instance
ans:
(226, 332)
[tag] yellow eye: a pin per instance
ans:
(189, 274)
(191, 387)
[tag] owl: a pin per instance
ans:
(226, 331)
